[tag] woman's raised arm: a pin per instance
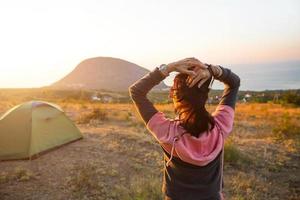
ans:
(138, 90)
(231, 82)
(138, 93)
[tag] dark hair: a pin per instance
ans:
(193, 115)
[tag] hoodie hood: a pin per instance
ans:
(179, 143)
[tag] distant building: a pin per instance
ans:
(95, 98)
(247, 97)
(106, 99)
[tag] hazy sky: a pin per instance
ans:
(41, 41)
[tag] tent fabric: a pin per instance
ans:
(34, 127)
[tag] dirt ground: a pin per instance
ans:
(118, 159)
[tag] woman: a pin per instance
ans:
(193, 142)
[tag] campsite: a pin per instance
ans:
(150, 100)
(118, 159)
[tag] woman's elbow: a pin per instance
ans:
(238, 81)
(133, 92)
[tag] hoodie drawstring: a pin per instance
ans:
(172, 151)
(222, 164)
(173, 143)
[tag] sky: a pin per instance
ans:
(42, 41)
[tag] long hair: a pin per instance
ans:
(190, 105)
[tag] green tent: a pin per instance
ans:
(34, 127)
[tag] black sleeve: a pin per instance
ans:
(232, 84)
(138, 93)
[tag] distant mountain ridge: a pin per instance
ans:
(106, 73)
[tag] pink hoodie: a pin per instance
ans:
(198, 151)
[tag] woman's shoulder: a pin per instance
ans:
(223, 109)
(224, 117)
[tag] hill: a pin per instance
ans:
(104, 73)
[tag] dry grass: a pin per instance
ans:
(140, 188)
(97, 114)
(118, 159)
(18, 174)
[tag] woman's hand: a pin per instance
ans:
(186, 66)
(196, 70)
(202, 75)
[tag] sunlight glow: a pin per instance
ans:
(41, 41)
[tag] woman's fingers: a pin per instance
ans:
(191, 78)
(191, 59)
(185, 70)
(202, 75)
(187, 64)
(202, 82)
(190, 66)
(188, 72)
(197, 63)
(195, 79)
(193, 62)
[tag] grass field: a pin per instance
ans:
(118, 159)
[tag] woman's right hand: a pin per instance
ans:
(202, 75)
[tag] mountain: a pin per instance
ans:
(106, 73)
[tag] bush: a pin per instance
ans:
(85, 181)
(18, 174)
(233, 155)
(286, 128)
(96, 114)
(21, 174)
(4, 177)
(292, 98)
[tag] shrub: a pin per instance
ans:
(21, 174)
(233, 155)
(96, 114)
(292, 98)
(286, 128)
(85, 181)
(4, 177)
(18, 174)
